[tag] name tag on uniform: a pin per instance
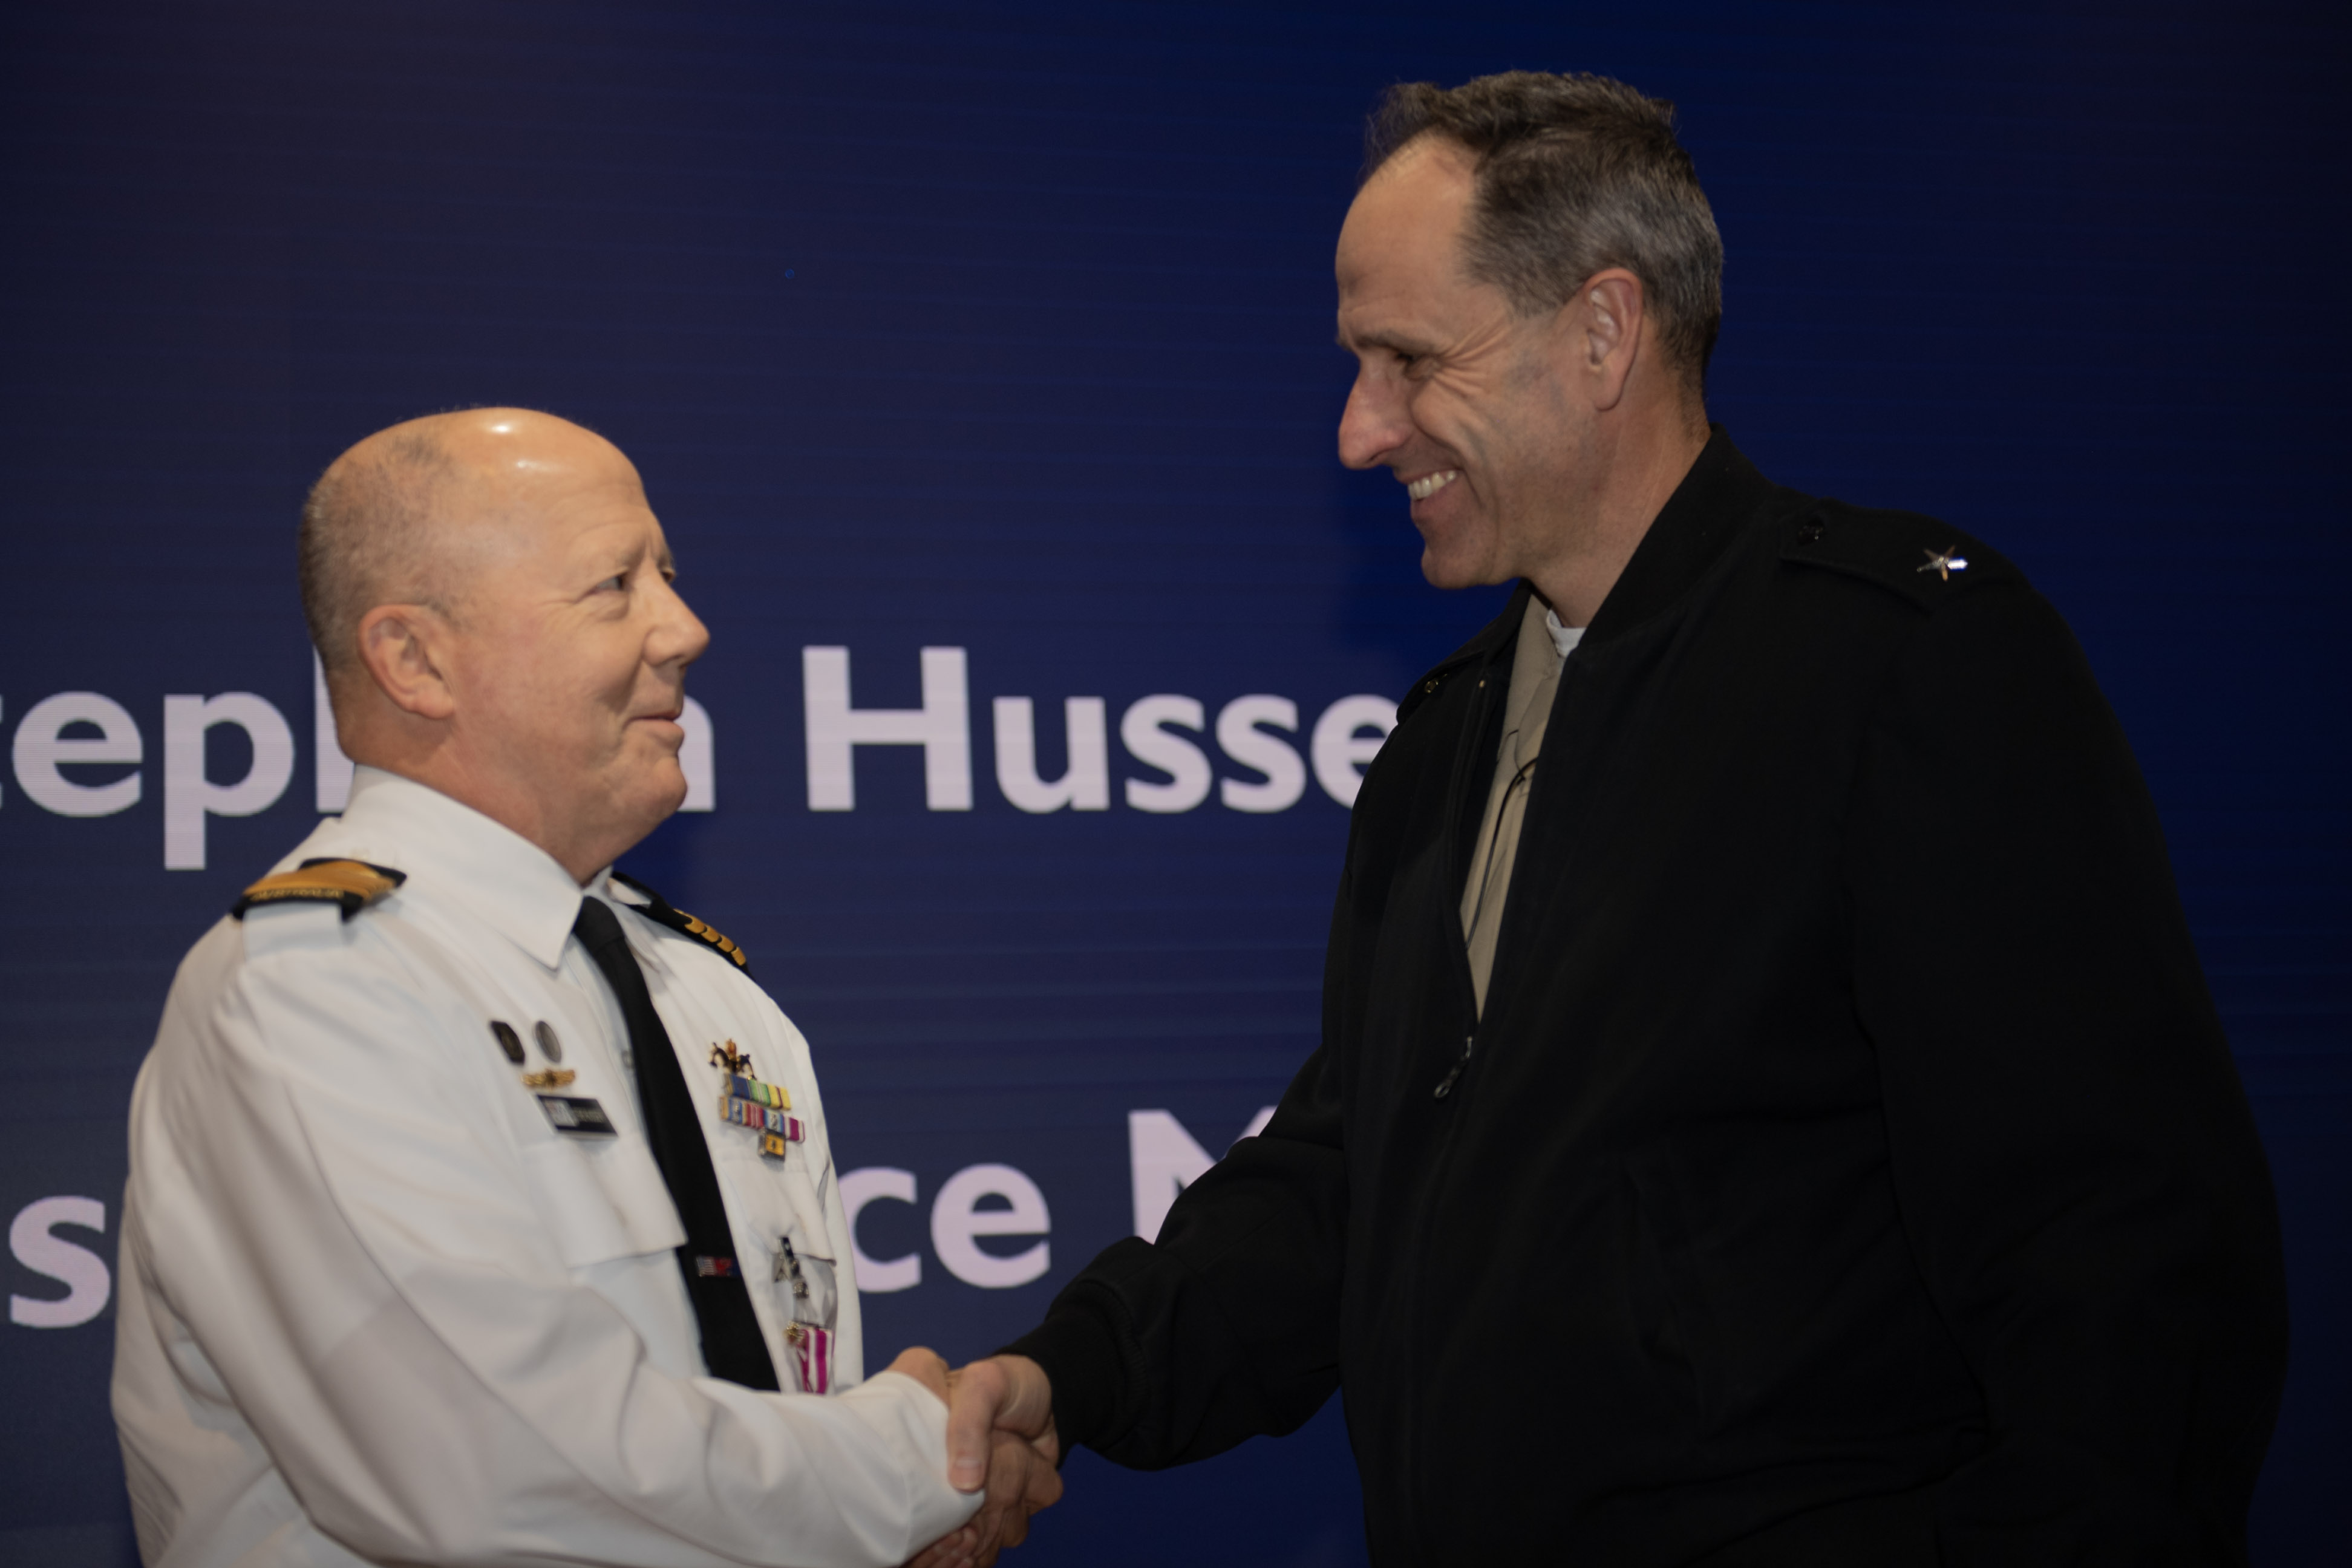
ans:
(580, 1118)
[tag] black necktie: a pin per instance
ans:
(731, 1345)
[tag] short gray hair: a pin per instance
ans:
(1573, 173)
(366, 538)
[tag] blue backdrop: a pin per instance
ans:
(1007, 330)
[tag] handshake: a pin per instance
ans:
(1000, 1441)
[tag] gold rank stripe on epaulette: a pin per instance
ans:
(354, 884)
(710, 934)
(659, 910)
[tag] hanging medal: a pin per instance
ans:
(812, 1355)
(812, 1345)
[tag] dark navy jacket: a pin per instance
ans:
(1849, 1167)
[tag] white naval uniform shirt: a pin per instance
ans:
(374, 1307)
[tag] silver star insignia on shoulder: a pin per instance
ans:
(1943, 565)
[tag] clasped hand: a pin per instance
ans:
(1000, 1441)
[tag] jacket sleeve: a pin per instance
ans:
(335, 1247)
(2078, 1171)
(1226, 1327)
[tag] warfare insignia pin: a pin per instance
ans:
(737, 1063)
(1944, 565)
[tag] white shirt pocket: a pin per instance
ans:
(601, 1200)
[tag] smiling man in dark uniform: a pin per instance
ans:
(1768, 1108)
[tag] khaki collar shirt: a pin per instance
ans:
(1543, 648)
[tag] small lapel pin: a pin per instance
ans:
(737, 1062)
(1943, 565)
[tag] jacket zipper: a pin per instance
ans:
(1414, 1244)
(1452, 1074)
(1465, 766)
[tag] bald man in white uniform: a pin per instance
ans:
(481, 1208)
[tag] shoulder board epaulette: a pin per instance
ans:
(657, 908)
(1924, 561)
(354, 884)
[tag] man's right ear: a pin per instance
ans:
(400, 645)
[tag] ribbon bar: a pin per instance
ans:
(761, 1119)
(752, 1088)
